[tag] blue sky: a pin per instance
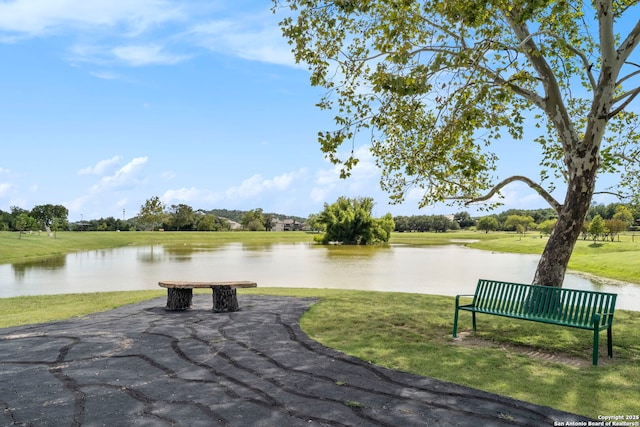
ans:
(107, 103)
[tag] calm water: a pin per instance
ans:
(444, 270)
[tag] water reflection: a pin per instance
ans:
(53, 263)
(445, 270)
(151, 254)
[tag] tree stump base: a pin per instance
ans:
(180, 294)
(179, 299)
(224, 299)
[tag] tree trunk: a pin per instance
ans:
(582, 179)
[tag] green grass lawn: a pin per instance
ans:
(542, 364)
(614, 260)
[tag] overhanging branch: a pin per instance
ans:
(535, 186)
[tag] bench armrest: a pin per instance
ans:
(463, 295)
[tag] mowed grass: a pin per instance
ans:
(614, 260)
(541, 364)
(26, 310)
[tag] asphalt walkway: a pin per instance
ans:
(140, 365)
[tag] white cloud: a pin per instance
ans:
(168, 175)
(125, 177)
(33, 18)
(4, 188)
(364, 179)
(141, 55)
(134, 55)
(146, 32)
(101, 167)
(257, 184)
(3, 170)
(106, 75)
(193, 194)
(255, 38)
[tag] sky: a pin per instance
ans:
(108, 103)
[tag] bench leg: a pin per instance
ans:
(455, 323)
(596, 344)
(224, 299)
(610, 341)
(473, 320)
(179, 299)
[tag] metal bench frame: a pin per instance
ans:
(575, 308)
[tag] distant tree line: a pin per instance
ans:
(422, 223)
(618, 220)
(155, 215)
(49, 218)
(615, 219)
(603, 222)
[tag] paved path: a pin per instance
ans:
(140, 365)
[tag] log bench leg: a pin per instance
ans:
(179, 299)
(224, 299)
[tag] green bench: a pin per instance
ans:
(575, 308)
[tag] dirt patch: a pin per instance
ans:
(467, 339)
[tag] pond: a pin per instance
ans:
(443, 270)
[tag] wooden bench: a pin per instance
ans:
(558, 306)
(180, 294)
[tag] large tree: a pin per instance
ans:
(152, 213)
(182, 217)
(435, 83)
(46, 215)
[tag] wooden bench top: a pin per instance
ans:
(182, 284)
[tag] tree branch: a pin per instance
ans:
(630, 97)
(629, 44)
(577, 52)
(535, 186)
(612, 193)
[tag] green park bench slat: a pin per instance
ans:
(575, 308)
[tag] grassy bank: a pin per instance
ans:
(537, 363)
(614, 260)
(40, 245)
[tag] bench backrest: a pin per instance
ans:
(567, 306)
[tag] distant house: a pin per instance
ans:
(234, 225)
(287, 224)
